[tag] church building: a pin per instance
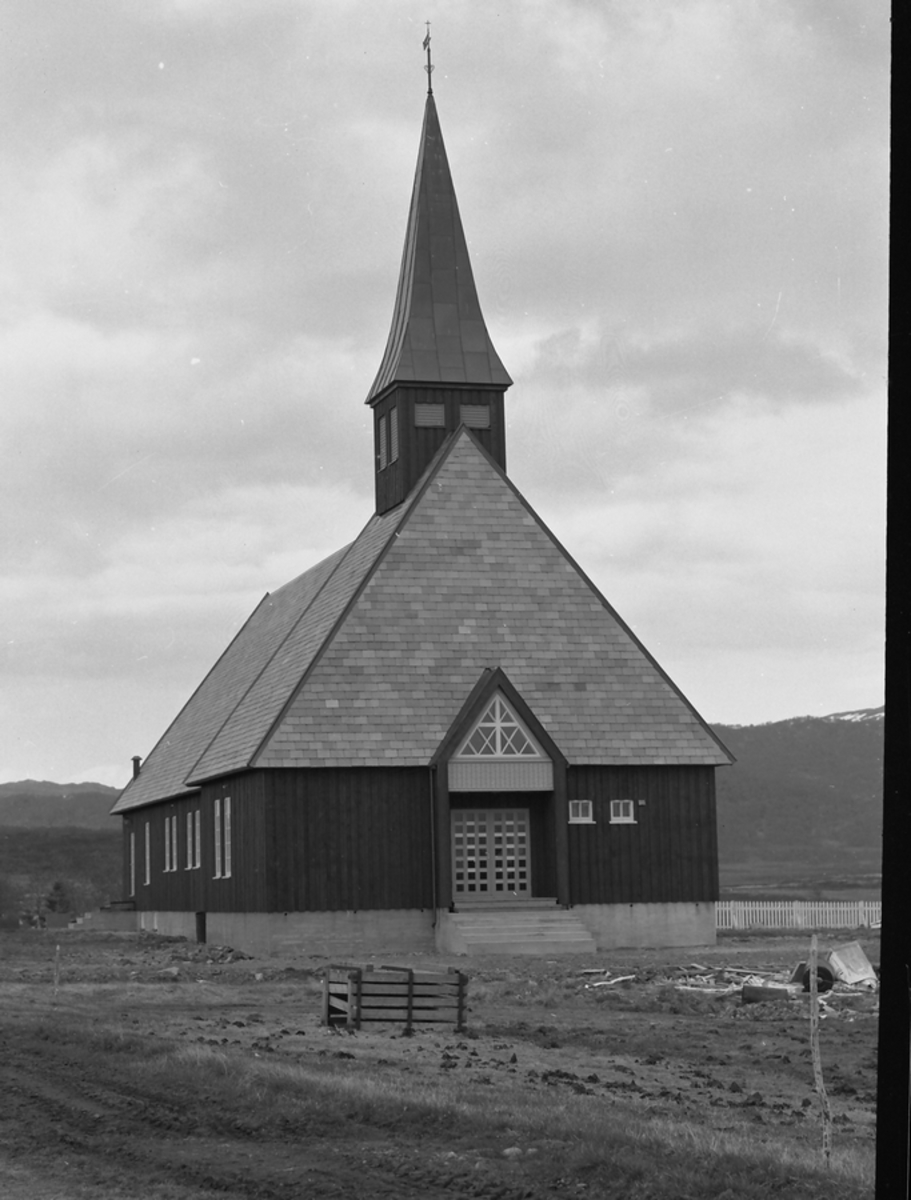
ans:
(442, 737)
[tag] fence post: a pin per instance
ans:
(354, 999)
(410, 1009)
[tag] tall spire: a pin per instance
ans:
(438, 334)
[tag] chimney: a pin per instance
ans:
(137, 759)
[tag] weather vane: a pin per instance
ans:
(429, 67)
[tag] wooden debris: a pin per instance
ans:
(850, 964)
(353, 995)
(755, 994)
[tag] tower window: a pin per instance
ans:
(475, 416)
(429, 416)
(388, 438)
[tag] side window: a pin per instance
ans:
(170, 843)
(223, 837)
(194, 850)
(580, 812)
(622, 812)
(218, 839)
(227, 835)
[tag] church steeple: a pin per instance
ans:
(440, 368)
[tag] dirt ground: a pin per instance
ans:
(674, 1043)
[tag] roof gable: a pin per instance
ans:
(473, 579)
(369, 658)
(166, 768)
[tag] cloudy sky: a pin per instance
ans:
(677, 215)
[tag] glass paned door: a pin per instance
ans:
(490, 854)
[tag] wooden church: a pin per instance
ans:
(442, 736)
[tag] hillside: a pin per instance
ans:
(54, 832)
(806, 792)
(34, 804)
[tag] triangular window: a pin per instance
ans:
(499, 734)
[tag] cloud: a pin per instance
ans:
(677, 216)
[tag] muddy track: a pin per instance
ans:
(59, 1115)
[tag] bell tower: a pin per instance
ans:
(440, 369)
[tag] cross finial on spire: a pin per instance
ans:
(429, 67)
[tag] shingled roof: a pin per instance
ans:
(438, 333)
(366, 659)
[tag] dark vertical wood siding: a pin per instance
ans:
(195, 889)
(417, 446)
(348, 839)
(182, 890)
(669, 855)
(246, 888)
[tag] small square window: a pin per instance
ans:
(622, 812)
(580, 812)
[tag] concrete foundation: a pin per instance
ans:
(336, 935)
(614, 926)
(354, 935)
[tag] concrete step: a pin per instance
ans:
(478, 920)
(516, 931)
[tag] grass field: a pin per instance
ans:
(138, 1066)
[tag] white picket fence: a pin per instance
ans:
(797, 914)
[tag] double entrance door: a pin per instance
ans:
(491, 854)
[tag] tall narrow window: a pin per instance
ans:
(148, 856)
(197, 862)
(189, 865)
(174, 843)
(223, 838)
(218, 839)
(227, 831)
(167, 843)
(132, 862)
(393, 434)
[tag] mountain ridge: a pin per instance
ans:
(803, 792)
